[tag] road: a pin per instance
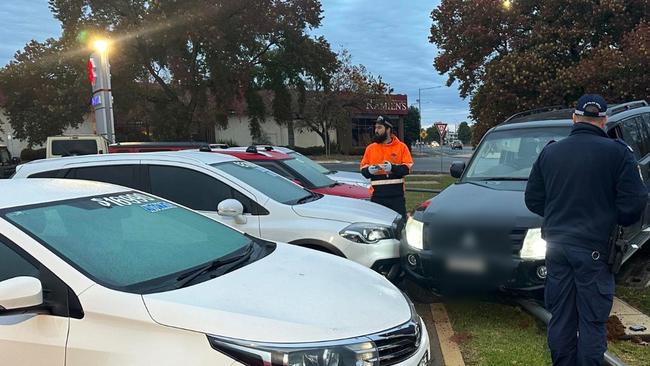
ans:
(426, 160)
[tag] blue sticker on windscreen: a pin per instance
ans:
(157, 206)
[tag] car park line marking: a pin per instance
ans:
(450, 351)
(630, 316)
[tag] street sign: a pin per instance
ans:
(442, 127)
(92, 71)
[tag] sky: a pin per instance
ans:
(389, 37)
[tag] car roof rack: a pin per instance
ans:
(535, 111)
(618, 108)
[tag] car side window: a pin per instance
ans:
(634, 134)
(123, 175)
(13, 265)
(190, 188)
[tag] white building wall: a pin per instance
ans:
(239, 132)
(16, 146)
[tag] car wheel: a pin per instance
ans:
(418, 293)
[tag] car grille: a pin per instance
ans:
(517, 240)
(398, 344)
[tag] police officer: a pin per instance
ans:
(386, 162)
(584, 186)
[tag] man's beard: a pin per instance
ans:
(380, 138)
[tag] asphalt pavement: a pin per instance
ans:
(426, 160)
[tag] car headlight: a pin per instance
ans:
(367, 233)
(534, 247)
(414, 233)
(357, 351)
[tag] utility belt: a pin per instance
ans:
(617, 249)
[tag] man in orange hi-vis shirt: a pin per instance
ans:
(386, 162)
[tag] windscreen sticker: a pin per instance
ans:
(157, 206)
(123, 200)
(245, 164)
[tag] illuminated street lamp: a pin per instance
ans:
(507, 4)
(102, 99)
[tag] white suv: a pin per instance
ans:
(247, 197)
(96, 274)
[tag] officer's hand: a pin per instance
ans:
(374, 169)
(387, 166)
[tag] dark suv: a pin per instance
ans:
(478, 234)
(7, 163)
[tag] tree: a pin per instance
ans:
(180, 66)
(432, 134)
(329, 103)
(412, 126)
(36, 104)
(464, 133)
(541, 53)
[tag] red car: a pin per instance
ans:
(301, 173)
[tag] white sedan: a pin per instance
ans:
(97, 274)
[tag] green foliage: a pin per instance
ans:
(45, 94)
(180, 67)
(464, 133)
(536, 53)
(412, 126)
(29, 154)
(329, 103)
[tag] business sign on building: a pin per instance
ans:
(395, 104)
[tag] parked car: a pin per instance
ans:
(133, 147)
(7, 162)
(479, 231)
(92, 273)
(353, 178)
(74, 145)
(456, 145)
(248, 197)
(298, 170)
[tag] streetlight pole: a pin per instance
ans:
(102, 99)
(420, 97)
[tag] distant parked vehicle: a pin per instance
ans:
(456, 145)
(7, 163)
(75, 145)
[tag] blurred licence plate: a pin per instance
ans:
(466, 264)
(425, 359)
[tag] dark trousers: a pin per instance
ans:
(395, 203)
(579, 294)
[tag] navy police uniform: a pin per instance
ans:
(584, 186)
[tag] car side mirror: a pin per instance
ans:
(20, 292)
(232, 208)
(15, 160)
(457, 168)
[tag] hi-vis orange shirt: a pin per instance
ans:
(396, 152)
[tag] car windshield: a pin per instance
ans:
(269, 183)
(510, 154)
(128, 241)
(307, 161)
(315, 179)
